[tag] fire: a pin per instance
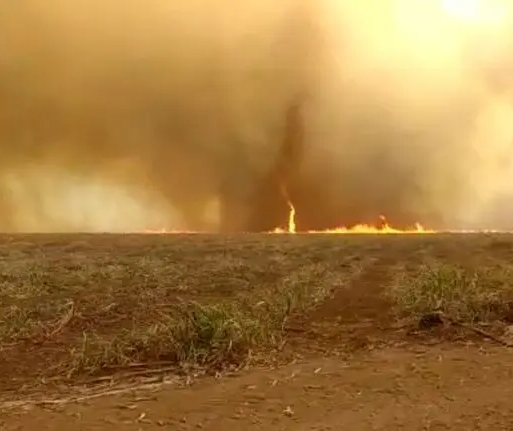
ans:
(383, 228)
(291, 224)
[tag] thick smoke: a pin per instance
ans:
(200, 115)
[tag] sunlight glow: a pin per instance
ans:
(476, 11)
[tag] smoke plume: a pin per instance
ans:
(203, 115)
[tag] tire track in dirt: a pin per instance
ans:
(357, 316)
(363, 299)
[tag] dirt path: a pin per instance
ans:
(457, 388)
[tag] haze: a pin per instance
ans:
(178, 115)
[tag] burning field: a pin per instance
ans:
(313, 197)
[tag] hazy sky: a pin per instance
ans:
(125, 115)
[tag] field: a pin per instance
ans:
(276, 332)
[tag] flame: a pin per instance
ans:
(383, 228)
(292, 218)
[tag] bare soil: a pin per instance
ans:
(352, 360)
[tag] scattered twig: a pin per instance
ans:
(9, 405)
(144, 365)
(130, 374)
(63, 322)
(475, 329)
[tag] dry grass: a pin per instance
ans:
(204, 334)
(463, 293)
(108, 302)
(82, 305)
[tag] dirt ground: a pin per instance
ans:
(351, 361)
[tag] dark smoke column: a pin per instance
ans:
(264, 207)
(267, 207)
(269, 204)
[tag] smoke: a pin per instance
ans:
(414, 115)
(123, 115)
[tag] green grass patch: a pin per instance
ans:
(464, 294)
(205, 334)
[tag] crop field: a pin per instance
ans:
(246, 332)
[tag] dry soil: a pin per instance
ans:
(351, 361)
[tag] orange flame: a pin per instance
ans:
(384, 227)
(291, 224)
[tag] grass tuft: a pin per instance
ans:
(95, 305)
(466, 295)
(213, 335)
